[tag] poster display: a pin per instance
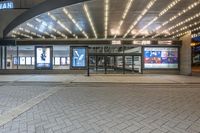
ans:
(78, 57)
(15, 60)
(28, 60)
(63, 61)
(57, 60)
(161, 58)
(22, 60)
(43, 58)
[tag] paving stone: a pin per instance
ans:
(111, 109)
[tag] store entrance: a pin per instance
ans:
(115, 64)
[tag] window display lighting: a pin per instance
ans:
(74, 21)
(85, 7)
(150, 4)
(126, 11)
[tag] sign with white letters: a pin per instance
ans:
(6, 5)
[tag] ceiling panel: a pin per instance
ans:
(96, 10)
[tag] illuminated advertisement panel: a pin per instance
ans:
(57, 60)
(43, 57)
(22, 60)
(79, 57)
(161, 58)
(28, 60)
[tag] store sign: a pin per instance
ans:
(6, 5)
(145, 42)
(116, 42)
(165, 42)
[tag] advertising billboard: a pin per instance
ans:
(161, 58)
(43, 57)
(78, 57)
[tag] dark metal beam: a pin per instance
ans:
(45, 6)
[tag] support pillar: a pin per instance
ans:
(185, 55)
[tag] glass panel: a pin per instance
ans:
(25, 55)
(137, 64)
(61, 57)
(128, 64)
(12, 60)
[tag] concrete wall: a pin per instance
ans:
(6, 16)
(185, 55)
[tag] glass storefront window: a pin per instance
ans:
(26, 54)
(61, 57)
(12, 59)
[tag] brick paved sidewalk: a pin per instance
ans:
(154, 79)
(113, 109)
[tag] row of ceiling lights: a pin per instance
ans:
(164, 11)
(184, 28)
(190, 7)
(61, 24)
(106, 17)
(188, 31)
(75, 22)
(151, 3)
(128, 6)
(86, 9)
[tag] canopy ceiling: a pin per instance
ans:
(114, 19)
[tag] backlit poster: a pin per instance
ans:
(28, 60)
(63, 61)
(57, 60)
(161, 57)
(22, 60)
(79, 57)
(43, 58)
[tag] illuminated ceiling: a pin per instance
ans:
(115, 19)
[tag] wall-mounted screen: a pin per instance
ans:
(43, 58)
(78, 57)
(161, 58)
